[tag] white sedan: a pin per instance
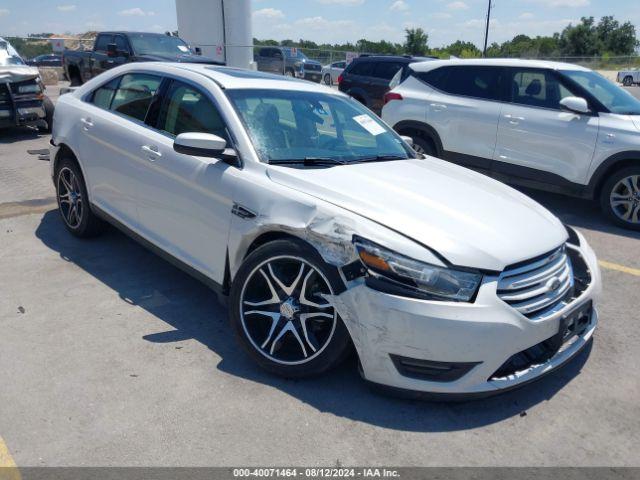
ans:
(331, 72)
(324, 229)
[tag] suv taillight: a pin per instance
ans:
(339, 79)
(389, 96)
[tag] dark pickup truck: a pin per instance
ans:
(112, 49)
(288, 61)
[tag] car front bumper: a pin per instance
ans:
(18, 115)
(476, 338)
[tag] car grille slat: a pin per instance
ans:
(532, 288)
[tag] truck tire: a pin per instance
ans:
(74, 77)
(49, 109)
(289, 72)
(627, 81)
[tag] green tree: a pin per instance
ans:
(416, 41)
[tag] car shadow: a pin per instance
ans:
(191, 311)
(19, 134)
(578, 212)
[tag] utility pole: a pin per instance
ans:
(486, 32)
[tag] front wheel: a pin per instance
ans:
(620, 198)
(327, 79)
(48, 109)
(424, 146)
(281, 313)
(627, 82)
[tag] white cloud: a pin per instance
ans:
(457, 6)
(4, 12)
(399, 6)
(66, 8)
(135, 12)
(526, 16)
(348, 3)
(440, 15)
(268, 13)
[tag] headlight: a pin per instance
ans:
(30, 88)
(430, 281)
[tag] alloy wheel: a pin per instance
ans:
(70, 197)
(625, 199)
(283, 310)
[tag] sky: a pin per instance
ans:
(325, 20)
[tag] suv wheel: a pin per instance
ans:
(620, 198)
(627, 82)
(73, 202)
(424, 146)
(327, 79)
(280, 314)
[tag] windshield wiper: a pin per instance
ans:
(309, 161)
(380, 158)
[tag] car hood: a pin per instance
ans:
(468, 218)
(18, 73)
(180, 58)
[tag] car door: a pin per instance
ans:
(111, 130)
(537, 139)
(184, 201)
(464, 107)
(100, 61)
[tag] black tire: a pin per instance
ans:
(289, 72)
(257, 332)
(627, 82)
(327, 79)
(49, 109)
(74, 78)
(84, 224)
(424, 145)
(626, 198)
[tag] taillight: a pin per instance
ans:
(339, 79)
(389, 96)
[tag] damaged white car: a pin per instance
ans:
(324, 229)
(22, 99)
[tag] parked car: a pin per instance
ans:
(288, 61)
(112, 49)
(46, 60)
(331, 72)
(629, 77)
(324, 229)
(367, 77)
(546, 125)
(22, 98)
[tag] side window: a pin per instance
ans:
(386, 70)
(103, 96)
(134, 94)
(469, 81)
(102, 41)
(341, 65)
(121, 43)
(189, 110)
(362, 68)
(437, 78)
(537, 88)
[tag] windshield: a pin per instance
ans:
(7, 60)
(158, 45)
(614, 98)
(289, 125)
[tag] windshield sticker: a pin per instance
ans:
(183, 48)
(369, 124)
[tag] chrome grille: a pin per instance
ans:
(535, 288)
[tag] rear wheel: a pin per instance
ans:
(280, 313)
(73, 202)
(620, 198)
(628, 81)
(288, 72)
(424, 146)
(48, 108)
(74, 77)
(327, 79)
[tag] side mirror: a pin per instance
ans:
(112, 50)
(203, 145)
(575, 104)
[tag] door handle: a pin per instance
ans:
(152, 152)
(438, 107)
(87, 123)
(513, 120)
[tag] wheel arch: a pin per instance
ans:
(409, 127)
(610, 165)
(65, 151)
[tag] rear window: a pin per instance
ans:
(386, 70)
(361, 68)
(470, 81)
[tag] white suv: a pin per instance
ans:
(324, 229)
(553, 126)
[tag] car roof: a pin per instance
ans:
(235, 78)
(496, 62)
